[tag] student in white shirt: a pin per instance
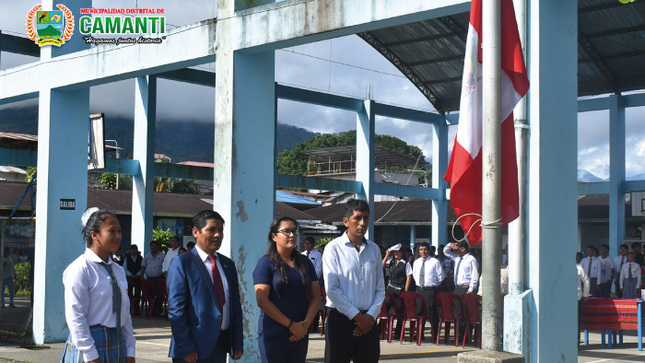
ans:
(619, 261)
(630, 278)
(606, 272)
(428, 274)
(353, 272)
(592, 267)
(466, 271)
(97, 308)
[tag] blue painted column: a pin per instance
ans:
(145, 113)
(365, 133)
(552, 190)
(616, 173)
(244, 172)
(63, 122)
(412, 236)
(439, 166)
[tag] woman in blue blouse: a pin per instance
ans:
(287, 291)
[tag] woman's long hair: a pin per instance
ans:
(280, 265)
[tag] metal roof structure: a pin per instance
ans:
(611, 51)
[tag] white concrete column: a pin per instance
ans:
(552, 189)
(365, 133)
(145, 114)
(616, 173)
(439, 166)
(63, 119)
(244, 172)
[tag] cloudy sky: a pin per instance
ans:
(345, 66)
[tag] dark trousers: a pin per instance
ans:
(428, 294)
(605, 289)
(341, 346)
(593, 281)
(617, 284)
(580, 319)
(219, 353)
(281, 350)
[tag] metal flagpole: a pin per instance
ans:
(492, 176)
(517, 228)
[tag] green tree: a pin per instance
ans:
(163, 237)
(31, 171)
(108, 181)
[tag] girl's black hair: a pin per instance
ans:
(280, 265)
(94, 224)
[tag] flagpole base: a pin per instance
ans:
(486, 356)
(517, 319)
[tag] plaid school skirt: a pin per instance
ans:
(105, 340)
(629, 288)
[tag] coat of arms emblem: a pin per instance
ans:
(53, 27)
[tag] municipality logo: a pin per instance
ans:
(53, 27)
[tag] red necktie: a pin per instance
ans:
(307, 253)
(217, 282)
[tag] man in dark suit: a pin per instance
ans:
(204, 299)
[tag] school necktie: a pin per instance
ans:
(116, 299)
(217, 282)
(457, 270)
(422, 274)
(589, 268)
(307, 253)
(622, 262)
(629, 270)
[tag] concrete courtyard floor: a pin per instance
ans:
(153, 339)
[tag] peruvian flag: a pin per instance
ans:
(465, 169)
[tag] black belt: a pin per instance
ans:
(427, 287)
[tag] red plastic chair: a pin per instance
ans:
(447, 316)
(472, 303)
(389, 317)
(410, 314)
(147, 299)
(323, 310)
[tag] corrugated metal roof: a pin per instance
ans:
(611, 51)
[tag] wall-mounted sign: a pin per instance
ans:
(67, 204)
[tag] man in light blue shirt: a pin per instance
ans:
(355, 290)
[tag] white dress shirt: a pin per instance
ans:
(466, 272)
(594, 271)
(619, 261)
(433, 272)
(583, 282)
(316, 258)
(169, 256)
(353, 279)
(153, 264)
(88, 302)
(226, 316)
(636, 272)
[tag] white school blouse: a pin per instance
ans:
(88, 302)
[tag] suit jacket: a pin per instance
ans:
(195, 316)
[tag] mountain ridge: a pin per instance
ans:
(182, 140)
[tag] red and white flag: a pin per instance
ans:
(465, 169)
